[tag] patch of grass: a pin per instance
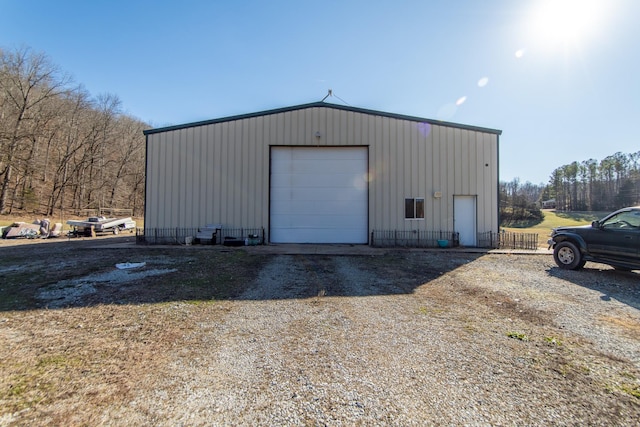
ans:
(553, 341)
(633, 390)
(581, 217)
(525, 223)
(55, 361)
(19, 286)
(199, 303)
(553, 219)
(17, 388)
(201, 275)
(628, 375)
(209, 275)
(32, 384)
(429, 311)
(518, 336)
(17, 290)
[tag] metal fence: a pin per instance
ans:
(183, 236)
(451, 239)
(414, 239)
(379, 238)
(508, 240)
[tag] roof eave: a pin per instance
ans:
(324, 105)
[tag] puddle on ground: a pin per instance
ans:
(66, 292)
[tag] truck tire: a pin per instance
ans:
(568, 256)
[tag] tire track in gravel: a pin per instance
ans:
(285, 355)
(328, 345)
(328, 341)
(287, 277)
(305, 276)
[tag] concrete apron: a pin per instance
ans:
(323, 249)
(365, 250)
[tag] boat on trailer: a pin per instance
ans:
(100, 224)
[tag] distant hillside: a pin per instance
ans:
(61, 148)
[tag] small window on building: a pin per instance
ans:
(414, 208)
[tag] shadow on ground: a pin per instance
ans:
(623, 286)
(82, 272)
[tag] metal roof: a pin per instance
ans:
(322, 105)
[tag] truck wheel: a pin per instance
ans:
(568, 256)
(116, 230)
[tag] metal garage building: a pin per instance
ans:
(323, 173)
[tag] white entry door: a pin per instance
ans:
(318, 195)
(464, 219)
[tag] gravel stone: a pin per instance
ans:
(391, 337)
(336, 341)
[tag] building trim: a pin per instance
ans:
(323, 105)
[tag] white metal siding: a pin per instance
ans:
(318, 195)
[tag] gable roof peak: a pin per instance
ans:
(324, 104)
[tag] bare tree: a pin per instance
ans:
(66, 156)
(27, 81)
(59, 147)
(126, 147)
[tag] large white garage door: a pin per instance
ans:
(318, 195)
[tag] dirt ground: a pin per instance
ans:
(207, 335)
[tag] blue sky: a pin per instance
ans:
(560, 79)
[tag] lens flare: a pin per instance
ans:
(519, 53)
(424, 129)
(461, 100)
(483, 82)
(556, 23)
(360, 182)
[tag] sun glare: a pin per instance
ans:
(565, 22)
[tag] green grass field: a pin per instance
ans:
(553, 219)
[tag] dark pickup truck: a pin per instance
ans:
(613, 240)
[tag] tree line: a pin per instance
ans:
(520, 203)
(590, 185)
(60, 148)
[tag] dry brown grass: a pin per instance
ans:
(629, 325)
(89, 363)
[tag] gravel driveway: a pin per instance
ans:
(440, 339)
(401, 338)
